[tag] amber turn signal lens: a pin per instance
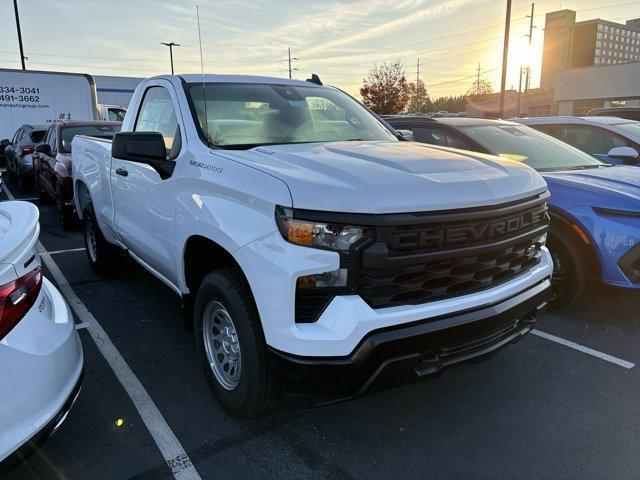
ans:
(300, 233)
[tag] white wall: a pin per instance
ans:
(598, 82)
(115, 90)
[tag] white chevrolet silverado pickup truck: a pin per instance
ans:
(312, 247)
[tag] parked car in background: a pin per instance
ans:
(614, 140)
(40, 353)
(630, 113)
(309, 245)
(3, 144)
(19, 152)
(52, 162)
(594, 207)
(111, 113)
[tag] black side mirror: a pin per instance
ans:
(5, 142)
(43, 148)
(141, 147)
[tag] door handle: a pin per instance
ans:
(121, 171)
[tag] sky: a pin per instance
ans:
(339, 40)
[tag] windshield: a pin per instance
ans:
(524, 144)
(100, 131)
(632, 127)
(248, 115)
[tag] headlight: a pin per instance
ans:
(318, 234)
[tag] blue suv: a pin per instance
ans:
(595, 207)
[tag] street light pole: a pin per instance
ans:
(22, 57)
(171, 45)
(505, 56)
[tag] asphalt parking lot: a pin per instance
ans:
(542, 408)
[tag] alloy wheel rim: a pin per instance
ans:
(222, 345)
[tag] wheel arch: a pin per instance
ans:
(564, 224)
(201, 255)
(81, 196)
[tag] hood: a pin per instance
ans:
(391, 177)
(594, 186)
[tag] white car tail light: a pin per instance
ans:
(16, 298)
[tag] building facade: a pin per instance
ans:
(115, 90)
(571, 44)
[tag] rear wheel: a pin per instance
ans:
(231, 345)
(103, 257)
(570, 273)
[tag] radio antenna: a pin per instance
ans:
(204, 87)
(200, 41)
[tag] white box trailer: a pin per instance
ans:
(38, 98)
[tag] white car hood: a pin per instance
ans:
(390, 177)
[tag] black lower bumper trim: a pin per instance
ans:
(39, 438)
(403, 353)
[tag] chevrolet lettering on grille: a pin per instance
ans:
(450, 236)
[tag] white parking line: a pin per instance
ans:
(175, 456)
(56, 252)
(583, 349)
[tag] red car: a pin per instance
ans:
(52, 162)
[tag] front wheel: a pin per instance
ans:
(570, 276)
(231, 345)
(102, 256)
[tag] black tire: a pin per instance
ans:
(256, 390)
(65, 212)
(570, 271)
(103, 257)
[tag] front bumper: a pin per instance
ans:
(273, 265)
(616, 240)
(408, 352)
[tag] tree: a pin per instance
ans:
(451, 104)
(419, 98)
(385, 90)
(480, 86)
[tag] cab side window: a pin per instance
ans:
(436, 137)
(157, 114)
(430, 136)
(593, 140)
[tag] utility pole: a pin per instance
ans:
(478, 81)
(171, 45)
(22, 57)
(505, 56)
(520, 90)
(526, 83)
(290, 60)
(417, 74)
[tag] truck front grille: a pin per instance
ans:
(450, 255)
(422, 282)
